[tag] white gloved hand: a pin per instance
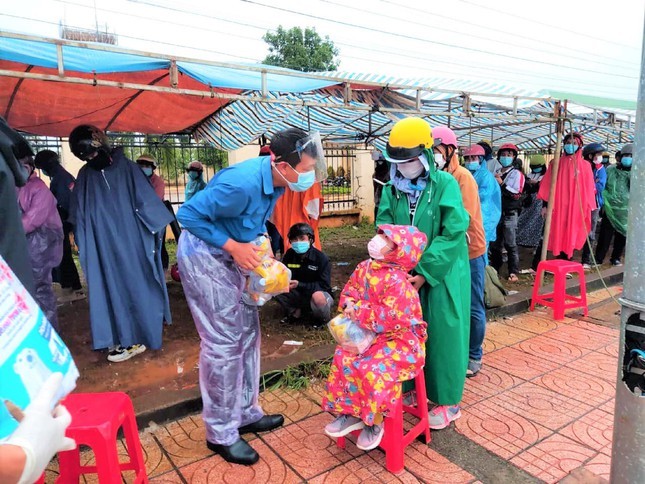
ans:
(41, 433)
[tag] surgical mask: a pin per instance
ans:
(147, 171)
(597, 160)
(626, 161)
(472, 165)
(439, 160)
(570, 149)
(375, 246)
(194, 175)
(411, 169)
(536, 169)
(300, 246)
(506, 161)
(305, 180)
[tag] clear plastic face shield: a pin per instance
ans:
(312, 146)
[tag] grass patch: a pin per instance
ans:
(296, 377)
(364, 231)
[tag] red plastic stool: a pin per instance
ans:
(559, 297)
(96, 419)
(395, 440)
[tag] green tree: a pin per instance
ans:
(301, 50)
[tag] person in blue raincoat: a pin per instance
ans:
(490, 194)
(215, 252)
(117, 221)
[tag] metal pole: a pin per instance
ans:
(559, 126)
(628, 453)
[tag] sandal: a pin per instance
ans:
(512, 278)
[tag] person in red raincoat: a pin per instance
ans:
(363, 388)
(574, 200)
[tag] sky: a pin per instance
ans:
(586, 47)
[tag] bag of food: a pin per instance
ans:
(349, 335)
(271, 277)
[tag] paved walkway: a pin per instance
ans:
(541, 407)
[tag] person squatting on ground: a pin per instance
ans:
(61, 183)
(530, 222)
(364, 388)
(510, 178)
(574, 201)
(44, 231)
(592, 153)
(445, 142)
(310, 288)
(616, 198)
(195, 183)
(420, 194)
(215, 252)
(117, 221)
(490, 195)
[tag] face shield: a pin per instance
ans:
(312, 146)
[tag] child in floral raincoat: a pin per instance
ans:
(364, 388)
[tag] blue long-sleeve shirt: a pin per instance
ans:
(235, 204)
(600, 177)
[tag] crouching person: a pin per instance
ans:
(310, 290)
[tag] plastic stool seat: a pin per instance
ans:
(394, 439)
(96, 420)
(558, 299)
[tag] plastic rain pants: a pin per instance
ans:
(229, 358)
(45, 248)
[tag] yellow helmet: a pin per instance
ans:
(408, 138)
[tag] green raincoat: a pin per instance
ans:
(616, 195)
(445, 298)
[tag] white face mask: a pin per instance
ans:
(439, 161)
(375, 247)
(598, 160)
(411, 169)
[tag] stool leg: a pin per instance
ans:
(107, 461)
(583, 292)
(133, 444)
(340, 442)
(559, 296)
(392, 440)
(422, 403)
(69, 467)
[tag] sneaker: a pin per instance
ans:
(370, 437)
(586, 267)
(343, 425)
(119, 353)
(474, 366)
(441, 416)
(616, 263)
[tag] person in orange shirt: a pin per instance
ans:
(297, 207)
(447, 159)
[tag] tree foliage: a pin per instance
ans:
(301, 50)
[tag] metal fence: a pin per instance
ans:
(174, 152)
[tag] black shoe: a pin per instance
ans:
(238, 453)
(266, 423)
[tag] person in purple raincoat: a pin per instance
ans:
(44, 231)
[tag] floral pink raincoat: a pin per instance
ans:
(386, 303)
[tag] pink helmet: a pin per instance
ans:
(475, 150)
(443, 135)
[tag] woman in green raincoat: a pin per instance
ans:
(430, 199)
(616, 196)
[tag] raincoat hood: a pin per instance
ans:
(410, 244)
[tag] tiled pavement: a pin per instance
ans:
(542, 406)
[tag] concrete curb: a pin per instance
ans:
(179, 403)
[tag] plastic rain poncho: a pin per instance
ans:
(118, 219)
(616, 196)
(229, 358)
(44, 231)
(490, 196)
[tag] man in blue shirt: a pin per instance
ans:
(214, 255)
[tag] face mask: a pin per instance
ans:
(626, 161)
(300, 247)
(472, 165)
(375, 246)
(570, 149)
(147, 171)
(605, 161)
(411, 169)
(194, 175)
(100, 161)
(536, 169)
(305, 180)
(439, 161)
(506, 161)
